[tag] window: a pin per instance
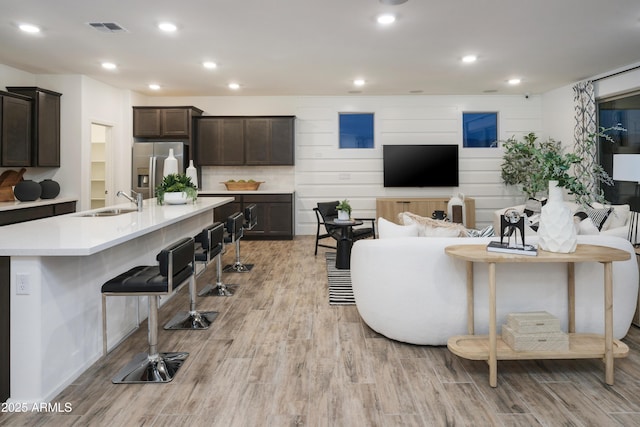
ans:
(356, 130)
(623, 110)
(480, 129)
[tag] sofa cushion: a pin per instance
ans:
(390, 230)
(428, 227)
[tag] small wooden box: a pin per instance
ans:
(533, 322)
(546, 341)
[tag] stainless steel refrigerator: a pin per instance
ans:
(148, 163)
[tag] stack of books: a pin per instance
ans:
(496, 246)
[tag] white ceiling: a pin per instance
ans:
(311, 47)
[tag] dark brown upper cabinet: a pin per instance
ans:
(15, 136)
(164, 122)
(269, 141)
(45, 125)
(239, 140)
(219, 141)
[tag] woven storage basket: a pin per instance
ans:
(242, 186)
(545, 341)
(533, 322)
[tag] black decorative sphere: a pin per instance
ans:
(27, 191)
(50, 189)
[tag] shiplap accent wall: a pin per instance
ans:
(324, 172)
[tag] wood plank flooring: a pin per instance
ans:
(279, 355)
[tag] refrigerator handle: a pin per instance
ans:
(152, 176)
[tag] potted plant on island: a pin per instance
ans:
(344, 210)
(176, 188)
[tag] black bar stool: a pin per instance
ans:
(235, 232)
(174, 268)
(211, 246)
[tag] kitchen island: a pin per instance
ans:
(55, 268)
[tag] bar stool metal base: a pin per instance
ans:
(237, 267)
(192, 320)
(144, 369)
(218, 291)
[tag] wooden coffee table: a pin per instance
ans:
(581, 346)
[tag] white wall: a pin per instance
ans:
(83, 101)
(324, 172)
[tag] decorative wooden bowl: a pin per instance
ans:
(242, 186)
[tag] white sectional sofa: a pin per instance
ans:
(409, 290)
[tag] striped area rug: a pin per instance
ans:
(340, 292)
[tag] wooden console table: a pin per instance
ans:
(581, 346)
(389, 208)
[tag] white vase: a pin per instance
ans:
(170, 164)
(192, 173)
(556, 232)
(343, 215)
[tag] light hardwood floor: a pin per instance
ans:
(280, 355)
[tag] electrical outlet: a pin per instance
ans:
(23, 287)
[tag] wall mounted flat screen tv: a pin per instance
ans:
(420, 165)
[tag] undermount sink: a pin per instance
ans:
(108, 212)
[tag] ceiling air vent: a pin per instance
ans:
(108, 27)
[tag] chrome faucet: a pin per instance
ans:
(137, 200)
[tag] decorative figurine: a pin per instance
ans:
(510, 222)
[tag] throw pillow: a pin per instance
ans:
(534, 206)
(584, 224)
(428, 227)
(617, 218)
(598, 216)
(390, 230)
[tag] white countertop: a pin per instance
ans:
(16, 204)
(73, 234)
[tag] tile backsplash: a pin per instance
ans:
(276, 178)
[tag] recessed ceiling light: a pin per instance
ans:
(28, 28)
(359, 82)
(386, 19)
(109, 65)
(210, 65)
(154, 86)
(167, 27)
(234, 86)
(469, 58)
(514, 81)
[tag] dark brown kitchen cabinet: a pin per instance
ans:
(275, 214)
(244, 140)
(45, 125)
(15, 135)
(219, 141)
(269, 141)
(164, 122)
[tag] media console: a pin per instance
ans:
(389, 207)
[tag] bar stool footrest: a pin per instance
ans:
(144, 369)
(237, 268)
(218, 291)
(191, 320)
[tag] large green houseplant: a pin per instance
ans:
(531, 164)
(176, 183)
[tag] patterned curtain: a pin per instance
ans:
(585, 128)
